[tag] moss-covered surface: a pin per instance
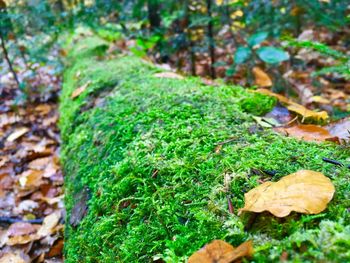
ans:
(146, 148)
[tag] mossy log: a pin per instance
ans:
(150, 163)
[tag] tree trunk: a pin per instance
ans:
(153, 14)
(210, 36)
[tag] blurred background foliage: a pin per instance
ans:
(201, 37)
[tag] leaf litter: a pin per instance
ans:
(31, 193)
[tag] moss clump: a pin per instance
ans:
(257, 104)
(145, 150)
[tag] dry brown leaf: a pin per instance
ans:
(305, 191)
(11, 258)
(49, 224)
(56, 249)
(30, 178)
(306, 132)
(168, 75)
(20, 240)
(39, 163)
(9, 118)
(297, 108)
(219, 251)
(80, 90)
(261, 78)
(21, 228)
(43, 108)
(21, 233)
(341, 129)
(3, 237)
(17, 134)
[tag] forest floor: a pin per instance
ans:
(31, 181)
(31, 193)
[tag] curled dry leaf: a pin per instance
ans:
(80, 90)
(341, 129)
(297, 108)
(17, 134)
(306, 132)
(219, 251)
(305, 191)
(261, 78)
(168, 75)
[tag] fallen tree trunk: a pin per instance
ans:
(150, 161)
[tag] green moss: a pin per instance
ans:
(257, 104)
(145, 147)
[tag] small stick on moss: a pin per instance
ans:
(230, 206)
(335, 162)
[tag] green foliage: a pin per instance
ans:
(147, 154)
(252, 52)
(342, 66)
(272, 55)
(257, 38)
(242, 54)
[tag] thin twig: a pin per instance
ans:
(8, 60)
(335, 162)
(11, 220)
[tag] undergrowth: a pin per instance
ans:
(148, 154)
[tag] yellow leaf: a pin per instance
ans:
(219, 251)
(297, 108)
(305, 191)
(261, 78)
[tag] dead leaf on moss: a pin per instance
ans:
(168, 75)
(306, 132)
(305, 191)
(297, 108)
(219, 251)
(261, 78)
(80, 90)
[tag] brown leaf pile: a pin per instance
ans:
(31, 181)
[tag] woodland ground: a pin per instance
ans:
(151, 162)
